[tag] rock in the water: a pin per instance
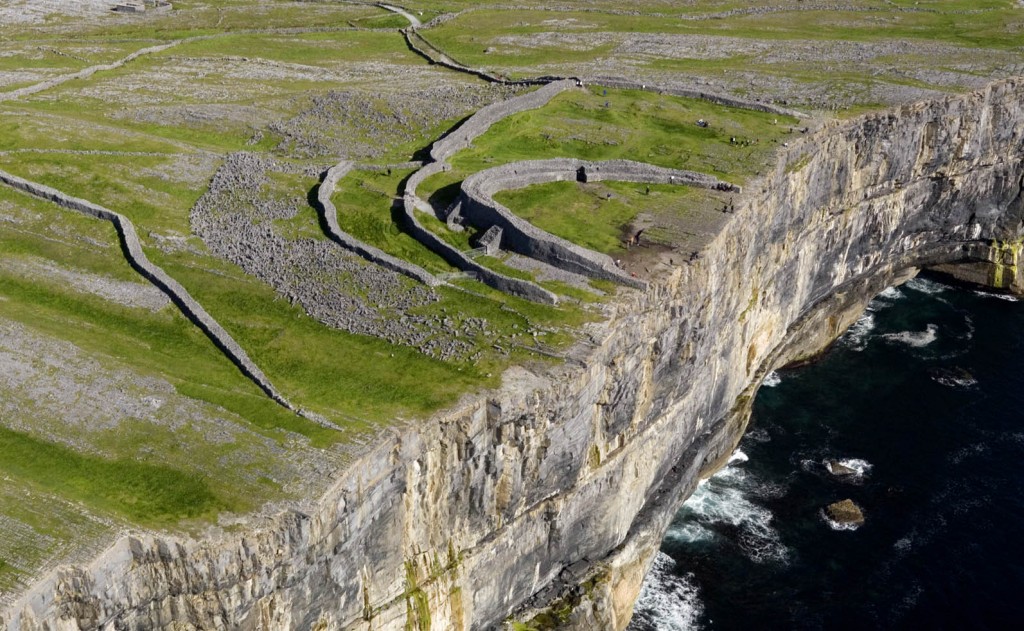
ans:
(837, 468)
(953, 377)
(845, 512)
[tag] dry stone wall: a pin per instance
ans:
(457, 258)
(184, 301)
(84, 73)
(480, 208)
(713, 97)
(368, 252)
(458, 139)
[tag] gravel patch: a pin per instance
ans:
(236, 219)
(36, 11)
(135, 295)
(359, 124)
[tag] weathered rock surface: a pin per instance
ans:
(559, 487)
(845, 513)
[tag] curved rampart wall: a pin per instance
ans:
(713, 97)
(347, 241)
(463, 136)
(178, 294)
(457, 258)
(519, 235)
(411, 34)
(460, 138)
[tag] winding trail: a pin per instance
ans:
(195, 312)
(413, 20)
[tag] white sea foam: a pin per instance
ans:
(953, 377)
(859, 467)
(724, 501)
(737, 457)
(758, 435)
(1006, 297)
(891, 293)
(916, 339)
(857, 337)
(689, 532)
(667, 602)
(925, 286)
(836, 525)
(968, 451)
(904, 544)
(771, 380)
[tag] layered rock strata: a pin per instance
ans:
(557, 489)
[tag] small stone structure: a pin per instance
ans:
(490, 240)
(141, 6)
(130, 6)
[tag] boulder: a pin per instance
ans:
(845, 512)
(838, 469)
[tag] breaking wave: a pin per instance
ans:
(667, 602)
(724, 501)
(843, 468)
(891, 293)
(837, 525)
(916, 339)
(925, 286)
(952, 377)
(856, 338)
(1006, 297)
(771, 380)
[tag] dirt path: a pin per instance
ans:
(413, 20)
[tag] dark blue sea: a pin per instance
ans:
(924, 400)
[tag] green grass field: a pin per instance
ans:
(597, 215)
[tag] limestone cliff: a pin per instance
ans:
(549, 497)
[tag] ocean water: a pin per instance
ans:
(924, 400)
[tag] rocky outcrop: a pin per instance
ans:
(477, 204)
(845, 513)
(558, 488)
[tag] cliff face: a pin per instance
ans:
(550, 496)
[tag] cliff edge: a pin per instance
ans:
(547, 499)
